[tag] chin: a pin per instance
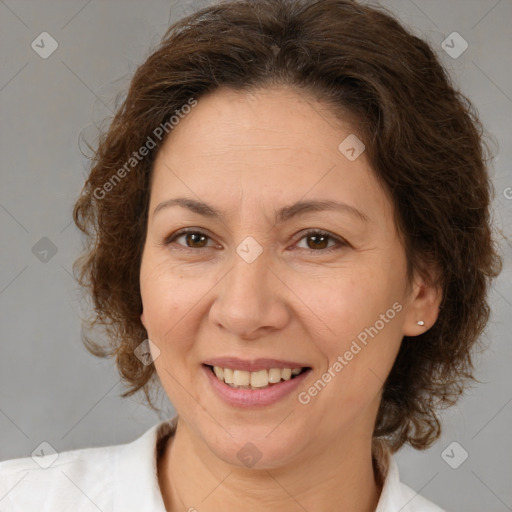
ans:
(254, 446)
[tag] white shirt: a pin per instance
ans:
(123, 478)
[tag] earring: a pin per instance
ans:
(420, 322)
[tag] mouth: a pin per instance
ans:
(258, 384)
(260, 379)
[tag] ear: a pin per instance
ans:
(142, 319)
(424, 301)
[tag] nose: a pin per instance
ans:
(250, 300)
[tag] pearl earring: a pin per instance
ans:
(420, 322)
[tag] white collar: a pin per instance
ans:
(137, 488)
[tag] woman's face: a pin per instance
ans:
(292, 256)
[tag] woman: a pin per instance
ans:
(288, 229)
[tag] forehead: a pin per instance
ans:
(258, 121)
(273, 144)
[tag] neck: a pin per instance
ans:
(339, 477)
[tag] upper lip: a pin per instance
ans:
(251, 365)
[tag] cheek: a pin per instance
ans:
(361, 321)
(168, 302)
(343, 305)
(171, 304)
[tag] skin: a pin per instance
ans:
(247, 155)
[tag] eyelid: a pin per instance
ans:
(340, 242)
(322, 232)
(177, 234)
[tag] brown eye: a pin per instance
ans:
(320, 241)
(195, 240)
(191, 239)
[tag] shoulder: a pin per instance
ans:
(106, 478)
(416, 502)
(55, 479)
(396, 495)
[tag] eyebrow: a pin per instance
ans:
(282, 215)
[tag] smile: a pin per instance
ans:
(241, 379)
(253, 386)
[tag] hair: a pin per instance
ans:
(423, 139)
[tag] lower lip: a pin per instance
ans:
(254, 397)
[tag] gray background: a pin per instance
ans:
(51, 388)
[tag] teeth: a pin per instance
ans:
(228, 374)
(259, 379)
(219, 372)
(274, 375)
(241, 378)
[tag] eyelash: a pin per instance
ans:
(340, 242)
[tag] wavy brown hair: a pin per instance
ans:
(423, 139)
